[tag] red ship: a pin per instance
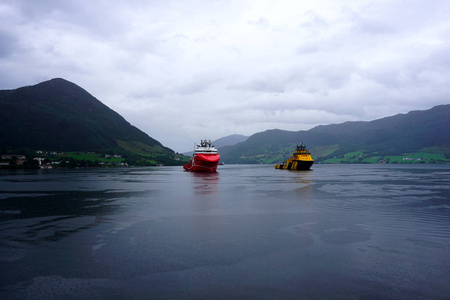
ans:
(204, 159)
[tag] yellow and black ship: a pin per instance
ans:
(300, 160)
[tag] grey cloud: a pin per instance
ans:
(261, 22)
(440, 58)
(192, 87)
(287, 66)
(309, 48)
(8, 44)
(411, 73)
(311, 78)
(266, 86)
(38, 10)
(313, 21)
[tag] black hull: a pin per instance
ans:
(298, 165)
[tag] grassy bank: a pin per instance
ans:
(373, 158)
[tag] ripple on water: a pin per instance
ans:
(346, 235)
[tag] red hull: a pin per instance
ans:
(203, 163)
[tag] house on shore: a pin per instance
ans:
(7, 159)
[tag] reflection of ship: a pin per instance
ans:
(204, 159)
(300, 160)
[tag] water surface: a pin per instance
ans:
(247, 231)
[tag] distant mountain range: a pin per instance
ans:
(225, 141)
(230, 140)
(58, 115)
(417, 131)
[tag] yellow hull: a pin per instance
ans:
(300, 160)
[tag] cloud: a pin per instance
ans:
(186, 70)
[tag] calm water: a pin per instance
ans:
(336, 232)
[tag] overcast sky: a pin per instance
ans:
(187, 70)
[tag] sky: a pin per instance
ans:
(186, 70)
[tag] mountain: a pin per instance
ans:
(416, 131)
(230, 140)
(58, 115)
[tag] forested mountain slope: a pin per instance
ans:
(396, 135)
(58, 115)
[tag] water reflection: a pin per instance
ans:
(305, 180)
(53, 216)
(205, 183)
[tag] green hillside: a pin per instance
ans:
(416, 137)
(58, 115)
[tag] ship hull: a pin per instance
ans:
(203, 163)
(299, 165)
